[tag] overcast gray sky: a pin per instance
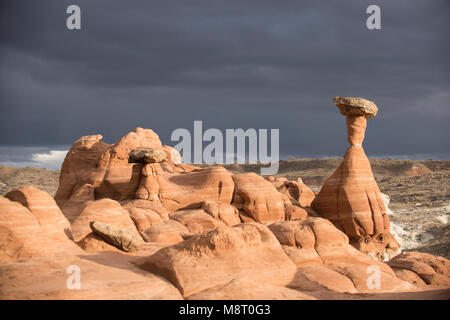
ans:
(232, 64)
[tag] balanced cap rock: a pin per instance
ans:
(147, 156)
(356, 107)
(350, 197)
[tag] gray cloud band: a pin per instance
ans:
(231, 64)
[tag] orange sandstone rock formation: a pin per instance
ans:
(44, 209)
(32, 230)
(257, 198)
(247, 251)
(138, 166)
(183, 226)
(422, 269)
(350, 197)
(104, 210)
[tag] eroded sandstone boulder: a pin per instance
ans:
(315, 278)
(149, 185)
(77, 201)
(93, 243)
(80, 166)
(196, 220)
(23, 235)
(189, 190)
(153, 206)
(360, 276)
(105, 275)
(325, 259)
(121, 178)
(137, 166)
(294, 212)
(226, 213)
(104, 210)
(355, 107)
(148, 155)
(246, 251)
(314, 241)
(145, 218)
(44, 209)
(168, 232)
(115, 236)
(172, 155)
(258, 198)
(297, 191)
(19, 231)
(422, 268)
(105, 166)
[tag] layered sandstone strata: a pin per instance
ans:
(257, 199)
(138, 166)
(204, 233)
(350, 197)
(31, 225)
(247, 251)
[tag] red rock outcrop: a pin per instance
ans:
(246, 251)
(25, 234)
(106, 275)
(116, 236)
(153, 206)
(226, 213)
(104, 166)
(317, 241)
(326, 259)
(19, 230)
(421, 268)
(80, 166)
(196, 220)
(183, 223)
(77, 201)
(44, 209)
(108, 170)
(293, 212)
(106, 211)
(296, 190)
(145, 218)
(350, 197)
(168, 232)
(121, 178)
(149, 185)
(258, 198)
(189, 190)
(93, 243)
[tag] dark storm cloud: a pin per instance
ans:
(260, 64)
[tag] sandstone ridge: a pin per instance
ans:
(141, 224)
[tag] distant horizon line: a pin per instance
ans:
(56, 165)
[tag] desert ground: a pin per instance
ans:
(418, 190)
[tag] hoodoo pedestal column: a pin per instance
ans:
(350, 197)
